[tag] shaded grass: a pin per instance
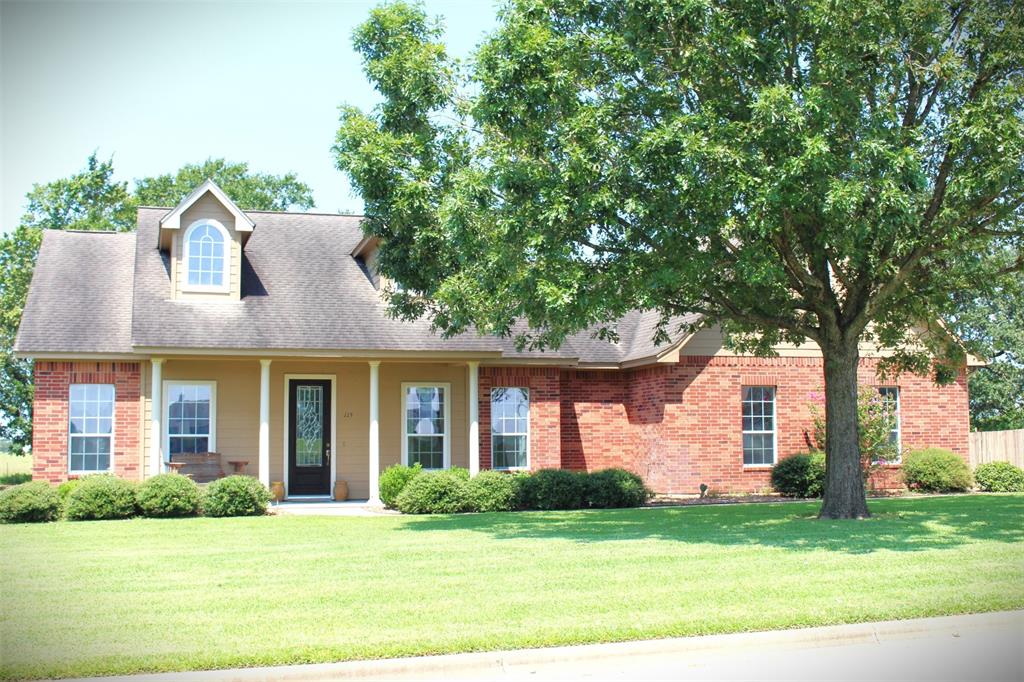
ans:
(148, 595)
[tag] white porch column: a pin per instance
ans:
(374, 432)
(264, 451)
(474, 418)
(156, 441)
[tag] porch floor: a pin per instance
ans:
(326, 507)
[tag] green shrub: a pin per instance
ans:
(31, 502)
(168, 495)
(393, 481)
(15, 479)
(460, 473)
(801, 475)
(936, 470)
(236, 496)
(491, 491)
(65, 488)
(1000, 477)
(615, 488)
(100, 497)
(554, 489)
(435, 492)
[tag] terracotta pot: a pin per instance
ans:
(277, 491)
(340, 490)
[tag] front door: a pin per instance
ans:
(309, 441)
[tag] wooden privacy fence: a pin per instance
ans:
(997, 446)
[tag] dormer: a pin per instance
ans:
(366, 252)
(205, 235)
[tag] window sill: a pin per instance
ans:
(513, 469)
(758, 466)
(90, 473)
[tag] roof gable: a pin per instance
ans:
(172, 221)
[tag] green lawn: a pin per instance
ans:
(149, 595)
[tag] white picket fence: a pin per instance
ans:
(997, 446)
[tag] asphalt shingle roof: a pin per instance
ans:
(301, 290)
(80, 299)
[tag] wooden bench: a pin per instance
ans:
(201, 467)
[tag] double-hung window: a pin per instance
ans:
(190, 417)
(758, 425)
(90, 427)
(891, 400)
(426, 425)
(510, 428)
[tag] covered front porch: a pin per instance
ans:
(309, 422)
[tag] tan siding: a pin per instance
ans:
(238, 403)
(238, 389)
(207, 207)
(709, 342)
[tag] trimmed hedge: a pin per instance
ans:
(236, 496)
(393, 481)
(936, 470)
(800, 475)
(549, 489)
(614, 489)
(494, 491)
(32, 502)
(99, 497)
(434, 492)
(1000, 477)
(168, 495)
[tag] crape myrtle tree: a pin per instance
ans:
(823, 172)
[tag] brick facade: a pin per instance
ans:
(680, 425)
(50, 415)
(677, 425)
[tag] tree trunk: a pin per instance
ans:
(844, 483)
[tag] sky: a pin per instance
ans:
(157, 85)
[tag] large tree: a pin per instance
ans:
(93, 200)
(811, 172)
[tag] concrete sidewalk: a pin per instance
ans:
(982, 648)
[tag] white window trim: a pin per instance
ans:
(774, 431)
(184, 260)
(113, 430)
(447, 443)
(212, 438)
(899, 429)
(529, 410)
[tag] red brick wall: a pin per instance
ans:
(545, 403)
(50, 415)
(680, 425)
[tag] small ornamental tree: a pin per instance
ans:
(875, 422)
(824, 173)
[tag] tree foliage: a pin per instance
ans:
(991, 322)
(92, 200)
(250, 190)
(794, 171)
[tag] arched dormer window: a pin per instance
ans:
(205, 261)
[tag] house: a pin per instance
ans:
(262, 336)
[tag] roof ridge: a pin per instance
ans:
(53, 229)
(330, 215)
